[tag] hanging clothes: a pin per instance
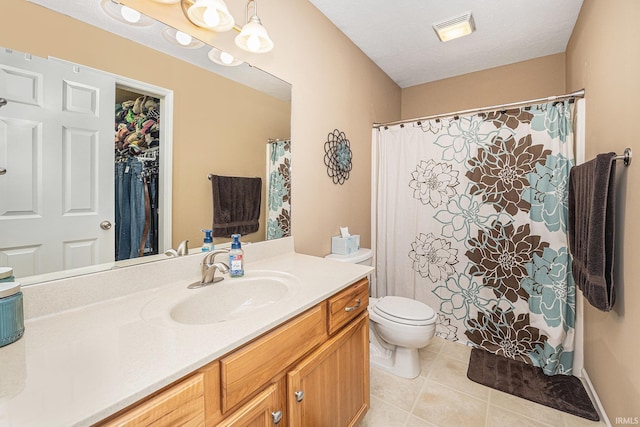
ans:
(136, 177)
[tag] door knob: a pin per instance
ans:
(105, 225)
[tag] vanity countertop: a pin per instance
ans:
(81, 365)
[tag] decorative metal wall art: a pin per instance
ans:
(337, 156)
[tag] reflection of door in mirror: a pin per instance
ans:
(57, 209)
(54, 139)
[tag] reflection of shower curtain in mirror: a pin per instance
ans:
(279, 189)
(136, 177)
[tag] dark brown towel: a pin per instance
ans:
(236, 205)
(591, 228)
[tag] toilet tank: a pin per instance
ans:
(363, 257)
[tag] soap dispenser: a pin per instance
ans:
(207, 244)
(236, 263)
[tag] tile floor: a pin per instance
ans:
(443, 396)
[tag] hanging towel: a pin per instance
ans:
(236, 205)
(591, 228)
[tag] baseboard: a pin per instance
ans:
(594, 398)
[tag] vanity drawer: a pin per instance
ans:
(179, 405)
(348, 304)
(249, 369)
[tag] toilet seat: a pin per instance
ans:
(405, 311)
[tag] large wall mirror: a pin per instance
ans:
(219, 120)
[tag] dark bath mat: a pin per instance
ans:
(562, 392)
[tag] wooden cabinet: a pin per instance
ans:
(250, 368)
(331, 386)
(323, 352)
(262, 411)
(179, 405)
(347, 305)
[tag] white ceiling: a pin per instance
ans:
(398, 35)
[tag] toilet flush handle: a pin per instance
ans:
(354, 307)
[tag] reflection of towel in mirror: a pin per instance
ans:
(591, 228)
(236, 205)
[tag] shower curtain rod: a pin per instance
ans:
(576, 94)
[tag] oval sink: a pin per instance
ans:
(234, 298)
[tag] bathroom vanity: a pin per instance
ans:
(298, 358)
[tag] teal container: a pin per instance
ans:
(6, 274)
(11, 313)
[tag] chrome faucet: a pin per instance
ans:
(183, 249)
(209, 268)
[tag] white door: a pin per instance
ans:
(56, 144)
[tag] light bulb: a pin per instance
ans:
(211, 17)
(253, 43)
(183, 38)
(226, 58)
(130, 15)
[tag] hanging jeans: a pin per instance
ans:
(151, 246)
(123, 214)
(130, 208)
(136, 206)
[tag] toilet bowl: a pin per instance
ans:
(398, 327)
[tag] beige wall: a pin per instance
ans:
(210, 113)
(536, 78)
(603, 57)
(335, 86)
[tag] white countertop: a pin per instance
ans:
(83, 364)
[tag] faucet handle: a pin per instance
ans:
(171, 253)
(209, 258)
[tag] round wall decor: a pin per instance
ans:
(337, 156)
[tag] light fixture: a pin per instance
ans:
(124, 14)
(210, 14)
(455, 27)
(130, 15)
(167, 1)
(185, 40)
(223, 58)
(253, 37)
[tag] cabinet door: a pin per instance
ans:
(261, 411)
(180, 405)
(331, 386)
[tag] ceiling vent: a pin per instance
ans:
(455, 27)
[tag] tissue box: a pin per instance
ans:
(345, 245)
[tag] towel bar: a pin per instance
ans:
(626, 156)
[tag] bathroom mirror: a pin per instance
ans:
(223, 116)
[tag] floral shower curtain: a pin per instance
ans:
(279, 189)
(471, 219)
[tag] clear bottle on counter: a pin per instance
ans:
(236, 261)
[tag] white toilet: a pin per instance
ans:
(398, 326)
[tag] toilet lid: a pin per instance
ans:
(404, 310)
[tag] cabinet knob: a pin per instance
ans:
(299, 395)
(354, 307)
(277, 416)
